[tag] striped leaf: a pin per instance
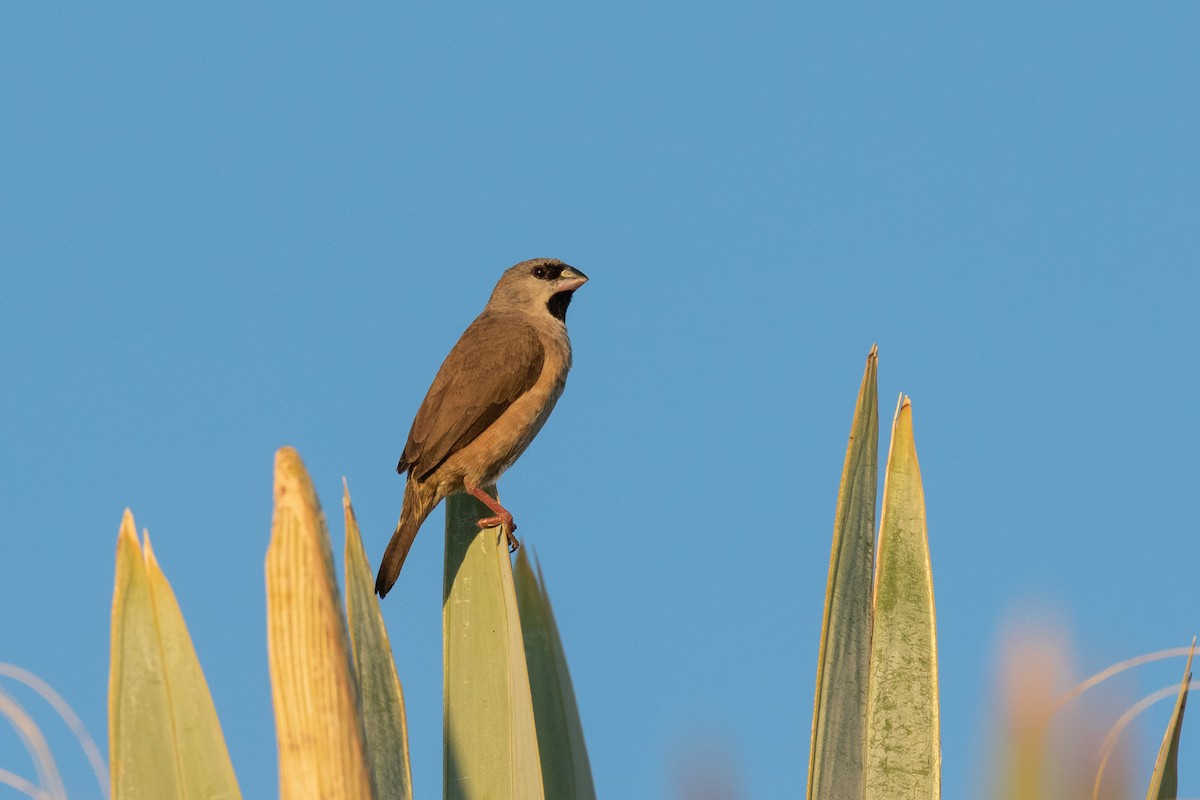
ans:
(322, 745)
(835, 760)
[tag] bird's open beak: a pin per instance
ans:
(571, 279)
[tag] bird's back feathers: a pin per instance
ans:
(498, 359)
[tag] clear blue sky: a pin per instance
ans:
(227, 229)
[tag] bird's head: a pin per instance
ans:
(537, 284)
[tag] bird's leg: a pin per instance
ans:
(503, 518)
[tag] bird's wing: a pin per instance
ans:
(496, 361)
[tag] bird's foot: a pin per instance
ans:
(506, 525)
(503, 518)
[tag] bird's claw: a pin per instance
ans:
(507, 526)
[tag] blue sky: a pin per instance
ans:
(227, 229)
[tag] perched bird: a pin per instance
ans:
(491, 396)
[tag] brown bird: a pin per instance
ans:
(491, 396)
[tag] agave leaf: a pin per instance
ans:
(490, 745)
(164, 738)
(566, 771)
(382, 699)
(835, 760)
(903, 755)
(322, 748)
(1164, 783)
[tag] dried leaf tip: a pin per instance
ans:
(286, 458)
(148, 551)
(128, 529)
(286, 453)
(874, 351)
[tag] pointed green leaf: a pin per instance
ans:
(382, 700)
(490, 742)
(322, 748)
(1164, 783)
(903, 756)
(566, 771)
(164, 738)
(835, 760)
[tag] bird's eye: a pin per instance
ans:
(539, 272)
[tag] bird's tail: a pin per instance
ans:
(419, 501)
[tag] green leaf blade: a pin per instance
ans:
(835, 767)
(380, 694)
(1164, 782)
(490, 745)
(165, 739)
(566, 770)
